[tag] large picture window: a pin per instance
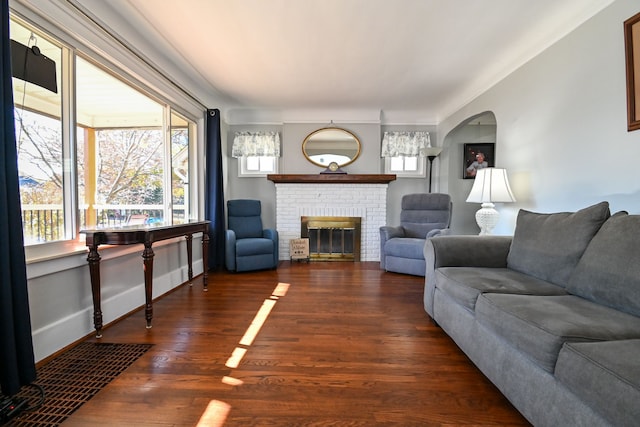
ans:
(98, 152)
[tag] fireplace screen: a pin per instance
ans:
(332, 238)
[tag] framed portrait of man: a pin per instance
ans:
(477, 156)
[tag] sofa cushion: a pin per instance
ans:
(253, 246)
(404, 247)
(609, 272)
(465, 284)
(246, 227)
(602, 372)
(244, 217)
(539, 325)
(548, 246)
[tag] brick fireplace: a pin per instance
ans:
(363, 196)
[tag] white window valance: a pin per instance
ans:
(255, 144)
(409, 144)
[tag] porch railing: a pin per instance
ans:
(45, 223)
(42, 223)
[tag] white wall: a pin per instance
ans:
(61, 305)
(561, 125)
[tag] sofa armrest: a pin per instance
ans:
(230, 250)
(467, 251)
(461, 251)
(272, 234)
(388, 232)
(438, 232)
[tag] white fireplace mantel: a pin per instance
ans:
(363, 196)
(332, 178)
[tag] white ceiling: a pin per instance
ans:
(406, 61)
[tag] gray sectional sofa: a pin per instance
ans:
(551, 315)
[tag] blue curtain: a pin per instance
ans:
(214, 195)
(17, 365)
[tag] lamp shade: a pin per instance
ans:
(432, 151)
(491, 185)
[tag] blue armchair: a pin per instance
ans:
(247, 245)
(422, 215)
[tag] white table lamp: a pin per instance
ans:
(490, 185)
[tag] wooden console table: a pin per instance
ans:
(147, 235)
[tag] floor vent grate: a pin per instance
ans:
(73, 378)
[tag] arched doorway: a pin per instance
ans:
(478, 129)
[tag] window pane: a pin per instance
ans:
(179, 168)
(266, 164)
(39, 143)
(123, 161)
(255, 166)
(253, 163)
(397, 164)
(410, 163)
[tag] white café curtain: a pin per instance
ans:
(408, 144)
(255, 144)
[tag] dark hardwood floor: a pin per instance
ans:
(345, 344)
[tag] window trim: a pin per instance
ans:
(420, 173)
(244, 173)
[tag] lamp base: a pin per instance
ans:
(487, 218)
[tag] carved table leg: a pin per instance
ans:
(147, 256)
(94, 272)
(205, 258)
(189, 238)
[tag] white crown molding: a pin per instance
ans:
(253, 116)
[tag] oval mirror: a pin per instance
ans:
(327, 145)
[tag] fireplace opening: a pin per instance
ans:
(332, 238)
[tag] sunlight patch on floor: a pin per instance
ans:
(281, 289)
(235, 358)
(215, 415)
(257, 322)
(232, 381)
(217, 412)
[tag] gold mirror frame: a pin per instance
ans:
(331, 144)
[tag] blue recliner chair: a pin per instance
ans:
(247, 245)
(422, 215)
